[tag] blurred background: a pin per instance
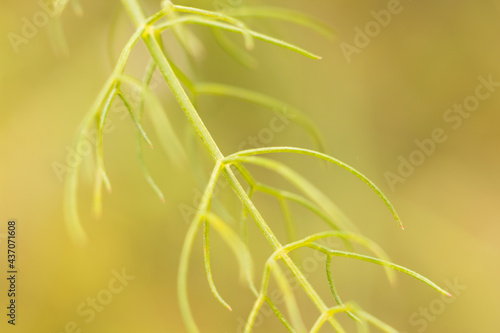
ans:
(374, 96)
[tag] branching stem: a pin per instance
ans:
(149, 37)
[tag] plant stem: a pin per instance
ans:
(149, 38)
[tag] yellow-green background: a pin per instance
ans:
(370, 111)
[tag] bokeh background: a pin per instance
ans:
(371, 110)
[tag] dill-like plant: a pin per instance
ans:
(148, 30)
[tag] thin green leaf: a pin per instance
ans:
(289, 297)
(277, 106)
(97, 189)
(304, 202)
(377, 322)
(146, 81)
(279, 315)
(244, 218)
(149, 179)
(213, 23)
(290, 226)
(262, 297)
(183, 78)
(187, 248)
(71, 218)
(241, 56)
(251, 191)
(249, 43)
(188, 41)
(147, 175)
(358, 238)
(335, 294)
(165, 131)
(245, 174)
(253, 314)
(134, 119)
(382, 263)
(298, 199)
(161, 124)
(100, 134)
(301, 183)
(285, 15)
(327, 158)
(208, 269)
(239, 248)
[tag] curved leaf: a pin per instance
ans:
(327, 158)
(213, 23)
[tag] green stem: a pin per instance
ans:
(175, 86)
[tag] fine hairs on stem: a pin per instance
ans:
(233, 168)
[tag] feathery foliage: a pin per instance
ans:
(178, 18)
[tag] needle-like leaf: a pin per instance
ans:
(278, 107)
(285, 15)
(228, 27)
(322, 156)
